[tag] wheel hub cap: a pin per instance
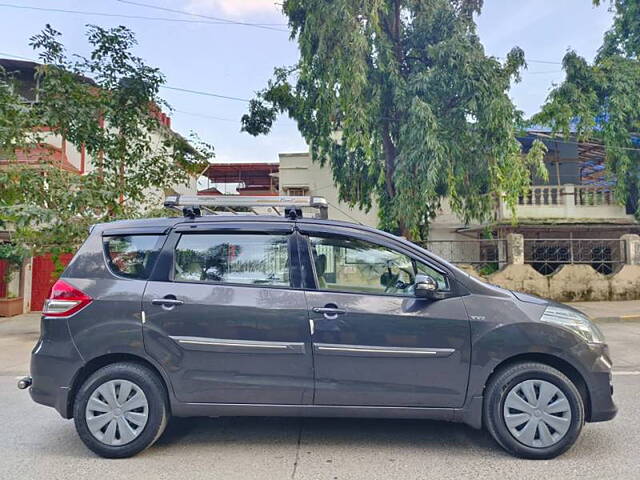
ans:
(537, 413)
(117, 412)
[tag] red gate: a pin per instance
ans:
(43, 278)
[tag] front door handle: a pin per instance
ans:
(167, 302)
(329, 310)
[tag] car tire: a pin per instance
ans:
(108, 397)
(522, 397)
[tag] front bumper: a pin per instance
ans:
(603, 407)
(54, 364)
(600, 385)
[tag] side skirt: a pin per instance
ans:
(462, 415)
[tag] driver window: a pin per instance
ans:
(353, 265)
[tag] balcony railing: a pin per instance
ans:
(543, 196)
(586, 196)
(566, 202)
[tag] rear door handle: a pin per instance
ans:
(167, 302)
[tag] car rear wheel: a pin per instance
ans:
(120, 410)
(533, 410)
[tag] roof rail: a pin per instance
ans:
(192, 205)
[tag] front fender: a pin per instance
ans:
(496, 344)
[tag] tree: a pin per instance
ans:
(107, 102)
(600, 101)
(401, 100)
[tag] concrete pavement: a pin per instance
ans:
(35, 443)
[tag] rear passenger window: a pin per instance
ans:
(132, 256)
(244, 259)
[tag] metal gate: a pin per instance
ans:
(43, 278)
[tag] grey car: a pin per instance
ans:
(271, 316)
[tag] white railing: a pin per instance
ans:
(565, 201)
(587, 196)
(543, 195)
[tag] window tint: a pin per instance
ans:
(132, 256)
(352, 265)
(246, 259)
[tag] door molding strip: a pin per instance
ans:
(224, 345)
(378, 351)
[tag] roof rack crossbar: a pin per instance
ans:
(292, 206)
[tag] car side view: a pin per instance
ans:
(265, 315)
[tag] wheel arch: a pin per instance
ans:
(98, 362)
(553, 361)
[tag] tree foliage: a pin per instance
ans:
(108, 103)
(401, 100)
(600, 101)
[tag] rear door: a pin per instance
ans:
(374, 342)
(226, 317)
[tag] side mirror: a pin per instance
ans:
(426, 287)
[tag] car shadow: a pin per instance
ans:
(335, 432)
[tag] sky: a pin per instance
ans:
(236, 60)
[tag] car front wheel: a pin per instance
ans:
(533, 410)
(120, 410)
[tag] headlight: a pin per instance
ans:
(574, 321)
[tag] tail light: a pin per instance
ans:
(65, 300)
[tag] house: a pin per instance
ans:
(295, 175)
(36, 278)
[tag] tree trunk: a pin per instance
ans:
(390, 154)
(394, 30)
(389, 162)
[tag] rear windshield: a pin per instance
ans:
(132, 256)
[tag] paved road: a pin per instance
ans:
(35, 443)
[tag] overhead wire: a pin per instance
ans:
(227, 97)
(209, 20)
(112, 15)
(344, 213)
(209, 17)
(220, 21)
(204, 115)
(207, 94)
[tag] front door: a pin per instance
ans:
(374, 342)
(224, 318)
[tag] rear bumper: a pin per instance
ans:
(54, 364)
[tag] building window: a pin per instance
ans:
(297, 191)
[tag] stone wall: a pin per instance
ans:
(522, 278)
(570, 283)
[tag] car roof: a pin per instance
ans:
(170, 222)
